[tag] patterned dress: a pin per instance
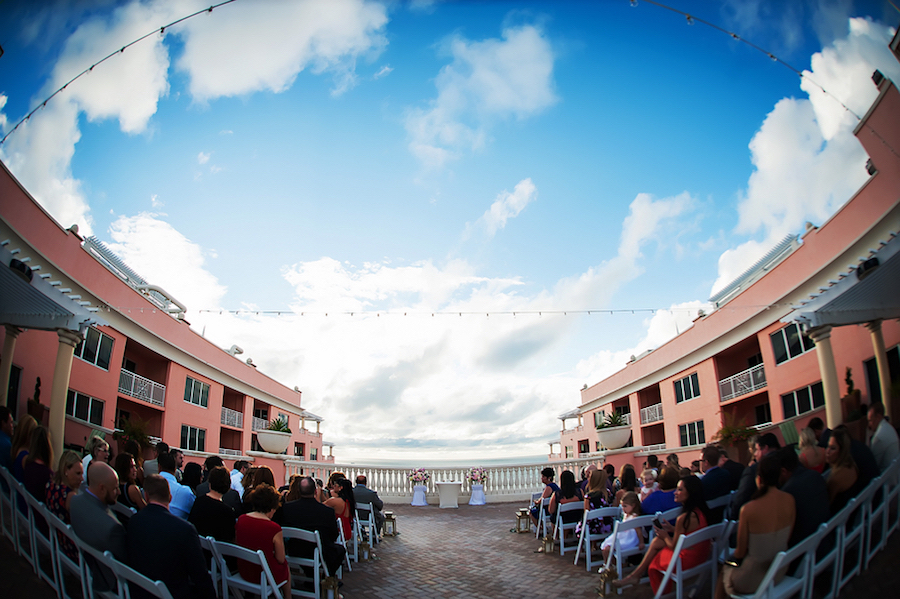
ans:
(597, 526)
(56, 503)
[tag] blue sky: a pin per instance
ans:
(384, 158)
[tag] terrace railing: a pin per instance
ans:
(742, 383)
(232, 418)
(652, 413)
(260, 424)
(134, 385)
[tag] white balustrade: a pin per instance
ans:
(134, 385)
(232, 418)
(260, 424)
(742, 383)
(652, 413)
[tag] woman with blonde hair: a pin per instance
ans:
(60, 491)
(597, 497)
(842, 478)
(811, 455)
(21, 441)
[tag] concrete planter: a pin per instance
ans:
(273, 441)
(614, 437)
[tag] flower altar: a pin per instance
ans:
(418, 478)
(477, 476)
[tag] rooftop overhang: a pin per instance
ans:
(570, 414)
(868, 292)
(38, 304)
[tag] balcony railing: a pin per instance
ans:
(232, 418)
(234, 452)
(260, 424)
(742, 383)
(652, 413)
(134, 385)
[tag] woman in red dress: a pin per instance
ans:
(255, 530)
(344, 505)
(693, 517)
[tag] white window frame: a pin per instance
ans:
(195, 444)
(101, 337)
(698, 428)
(812, 402)
(76, 398)
(689, 385)
(782, 333)
(197, 388)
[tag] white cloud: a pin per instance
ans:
(155, 202)
(4, 123)
(488, 80)
(807, 161)
(383, 72)
(507, 205)
(203, 158)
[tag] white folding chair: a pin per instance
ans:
(543, 518)
(122, 511)
(92, 558)
(799, 582)
(853, 539)
(206, 543)
(678, 574)
(343, 541)
(7, 505)
(22, 521)
(299, 565)
(876, 519)
(723, 502)
(892, 496)
(365, 516)
(561, 528)
(128, 577)
(619, 554)
(827, 559)
(40, 540)
(586, 538)
(265, 587)
(59, 533)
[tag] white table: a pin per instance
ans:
(449, 493)
(478, 497)
(419, 495)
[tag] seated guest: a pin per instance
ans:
(716, 481)
(210, 515)
(811, 455)
(884, 443)
(363, 494)
(256, 531)
(550, 488)
(192, 476)
(182, 496)
(38, 469)
(865, 461)
(6, 432)
(627, 483)
(629, 539)
(663, 499)
(129, 493)
(19, 445)
(307, 513)
(585, 476)
(335, 476)
(261, 475)
(735, 469)
(343, 504)
(179, 463)
(611, 481)
(95, 524)
(672, 461)
(694, 515)
(60, 492)
(842, 477)
(820, 431)
(597, 497)
(762, 446)
(162, 546)
(231, 498)
(152, 466)
(764, 528)
(809, 492)
(321, 495)
(247, 481)
(648, 483)
(96, 448)
(134, 448)
(237, 476)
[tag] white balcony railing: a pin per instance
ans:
(234, 452)
(742, 383)
(232, 418)
(260, 424)
(627, 417)
(652, 413)
(134, 385)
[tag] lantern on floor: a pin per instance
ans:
(548, 544)
(523, 521)
(390, 524)
(330, 587)
(364, 551)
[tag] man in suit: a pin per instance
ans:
(763, 446)
(308, 514)
(716, 481)
(363, 494)
(95, 524)
(734, 469)
(162, 546)
(809, 491)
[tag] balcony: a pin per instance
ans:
(742, 383)
(232, 418)
(260, 424)
(652, 413)
(134, 385)
(231, 452)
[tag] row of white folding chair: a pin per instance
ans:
(232, 580)
(7, 518)
(722, 502)
(878, 515)
(544, 521)
(300, 565)
(365, 517)
(562, 527)
(586, 538)
(715, 535)
(125, 575)
(781, 580)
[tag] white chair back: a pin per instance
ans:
(586, 538)
(777, 584)
(573, 507)
(678, 574)
(60, 532)
(128, 577)
(264, 587)
(365, 516)
(301, 565)
(40, 540)
(544, 522)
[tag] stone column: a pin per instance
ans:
(303, 423)
(9, 350)
(822, 337)
(318, 426)
(66, 349)
(884, 375)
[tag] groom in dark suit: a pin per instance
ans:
(308, 514)
(363, 494)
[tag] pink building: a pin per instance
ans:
(774, 351)
(107, 345)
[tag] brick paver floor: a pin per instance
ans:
(467, 553)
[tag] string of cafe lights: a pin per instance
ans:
(161, 31)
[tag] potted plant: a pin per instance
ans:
(614, 431)
(277, 437)
(132, 429)
(735, 435)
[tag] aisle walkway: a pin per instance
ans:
(466, 553)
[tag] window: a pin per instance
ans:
(192, 438)
(763, 413)
(95, 349)
(196, 392)
(803, 400)
(584, 446)
(569, 452)
(790, 342)
(84, 407)
(313, 454)
(687, 388)
(599, 418)
(299, 449)
(692, 433)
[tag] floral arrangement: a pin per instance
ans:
(477, 475)
(419, 476)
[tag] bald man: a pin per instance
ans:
(95, 524)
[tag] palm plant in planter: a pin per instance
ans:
(614, 431)
(277, 437)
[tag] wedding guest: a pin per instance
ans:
(648, 483)
(597, 497)
(61, 490)
(550, 488)
(809, 492)
(129, 493)
(629, 539)
(192, 476)
(152, 466)
(38, 469)
(7, 428)
(627, 483)
(182, 497)
(884, 443)
(256, 531)
(21, 441)
(343, 504)
(842, 478)
(663, 499)
(811, 455)
(209, 514)
(97, 448)
(134, 448)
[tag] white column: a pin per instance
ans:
(64, 352)
(9, 349)
(318, 426)
(884, 375)
(822, 338)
